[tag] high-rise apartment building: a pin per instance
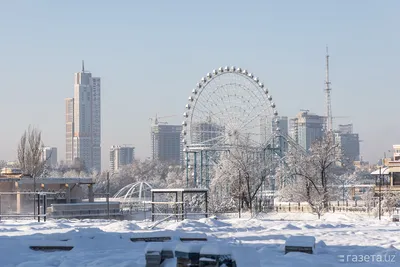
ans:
(166, 143)
(120, 156)
(349, 142)
(49, 154)
(306, 128)
(83, 121)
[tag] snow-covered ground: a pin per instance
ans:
(102, 243)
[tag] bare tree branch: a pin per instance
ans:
(30, 152)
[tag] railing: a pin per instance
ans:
(85, 213)
(39, 211)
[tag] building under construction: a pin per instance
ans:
(166, 145)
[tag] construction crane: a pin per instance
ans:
(156, 121)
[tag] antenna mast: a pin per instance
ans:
(328, 89)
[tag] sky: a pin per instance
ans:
(150, 54)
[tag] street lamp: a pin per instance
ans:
(108, 195)
(380, 191)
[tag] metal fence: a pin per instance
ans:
(24, 205)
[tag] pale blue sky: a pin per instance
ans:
(150, 54)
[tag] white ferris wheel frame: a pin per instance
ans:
(202, 85)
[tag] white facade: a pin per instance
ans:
(86, 124)
(49, 154)
(120, 156)
(69, 128)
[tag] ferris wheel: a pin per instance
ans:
(228, 107)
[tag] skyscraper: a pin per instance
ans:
(120, 156)
(306, 128)
(349, 142)
(83, 126)
(166, 143)
(49, 154)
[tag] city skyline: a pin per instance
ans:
(145, 73)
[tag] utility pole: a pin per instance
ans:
(108, 195)
(329, 126)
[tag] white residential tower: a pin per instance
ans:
(83, 121)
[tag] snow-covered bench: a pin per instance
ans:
(215, 255)
(304, 244)
(157, 253)
(153, 236)
(153, 254)
(187, 254)
(51, 245)
(187, 237)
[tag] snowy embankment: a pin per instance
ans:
(102, 243)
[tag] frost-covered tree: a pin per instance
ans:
(342, 183)
(152, 172)
(314, 173)
(3, 164)
(368, 197)
(176, 177)
(241, 173)
(390, 201)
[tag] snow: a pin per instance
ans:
(215, 249)
(100, 243)
(154, 247)
(246, 256)
(189, 247)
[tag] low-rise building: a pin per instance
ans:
(388, 176)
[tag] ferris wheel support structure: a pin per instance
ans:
(229, 107)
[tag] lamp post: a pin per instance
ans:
(34, 194)
(380, 191)
(343, 190)
(108, 195)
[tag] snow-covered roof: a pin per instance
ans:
(384, 170)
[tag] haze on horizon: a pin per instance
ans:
(150, 56)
